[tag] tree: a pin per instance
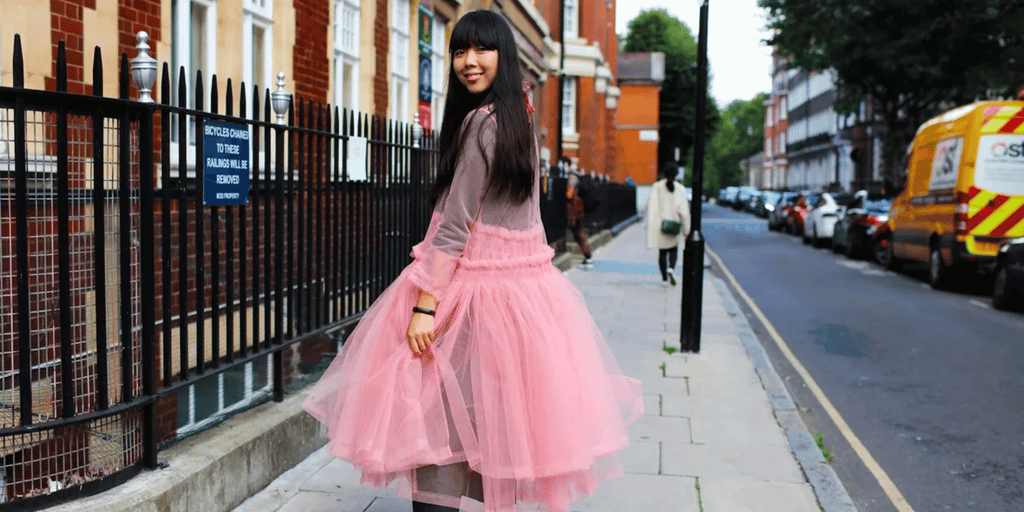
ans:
(656, 31)
(911, 58)
(740, 135)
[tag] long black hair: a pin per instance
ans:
(669, 171)
(511, 170)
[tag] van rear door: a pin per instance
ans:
(996, 198)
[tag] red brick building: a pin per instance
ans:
(590, 100)
(640, 79)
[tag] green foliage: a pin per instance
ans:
(657, 31)
(740, 135)
(668, 350)
(911, 58)
(700, 502)
(825, 452)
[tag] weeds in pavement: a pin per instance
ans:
(825, 452)
(662, 369)
(696, 483)
(668, 350)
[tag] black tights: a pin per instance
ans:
(667, 260)
(426, 507)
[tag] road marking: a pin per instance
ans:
(980, 304)
(876, 470)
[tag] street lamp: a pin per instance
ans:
(693, 251)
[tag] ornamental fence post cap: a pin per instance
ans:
(143, 68)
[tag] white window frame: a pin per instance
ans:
(182, 49)
(438, 70)
(346, 93)
(258, 17)
(782, 143)
(569, 105)
(248, 397)
(572, 18)
(783, 113)
(400, 41)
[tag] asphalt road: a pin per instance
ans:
(929, 381)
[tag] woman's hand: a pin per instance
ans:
(420, 334)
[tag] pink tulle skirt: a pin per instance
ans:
(521, 392)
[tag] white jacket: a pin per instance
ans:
(665, 205)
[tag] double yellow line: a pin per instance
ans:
(876, 470)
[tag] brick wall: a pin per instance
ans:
(66, 25)
(381, 37)
(312, 68)
(638, 110)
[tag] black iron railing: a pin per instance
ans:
(124, 295)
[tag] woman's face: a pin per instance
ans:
(476, 68)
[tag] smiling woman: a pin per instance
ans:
(476, 68)
(512, 397)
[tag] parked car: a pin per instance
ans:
(963, 193)
(743, 196)
(798, 213)
(727, 196)
(822, 216)
(1008, 287)
(751, 204)
(778, 210)
(764, 200)
(881, 246)
(857, 223)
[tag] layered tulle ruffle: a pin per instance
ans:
(519, 384)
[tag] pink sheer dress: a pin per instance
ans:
(520, 405)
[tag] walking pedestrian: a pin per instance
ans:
(575, 215)
(668, 221)
(479, 374)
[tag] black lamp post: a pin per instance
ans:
(693, 251)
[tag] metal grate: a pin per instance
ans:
(45, 461)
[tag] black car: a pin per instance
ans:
(1008, 288)
(779, 210)
(853, 233)
(742, 201)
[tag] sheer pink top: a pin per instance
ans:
(469, 201)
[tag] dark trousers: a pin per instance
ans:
(580, 234)
(666, 260)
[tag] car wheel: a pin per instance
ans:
(886, 256)
(849, 250)
(836, 246)
(937, 273)
(1000, 291)
(803, 235)
(815, 241)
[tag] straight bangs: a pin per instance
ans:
(481, 32)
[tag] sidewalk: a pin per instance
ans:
(720, 419)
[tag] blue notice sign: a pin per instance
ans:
(225, 163)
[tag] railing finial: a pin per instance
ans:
(280, 99)
(417, 130)
(144, 69)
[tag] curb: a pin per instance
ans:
(217, 469)
(832, 495)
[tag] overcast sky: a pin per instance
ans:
(740, 63)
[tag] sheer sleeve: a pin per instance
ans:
(437, 259)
